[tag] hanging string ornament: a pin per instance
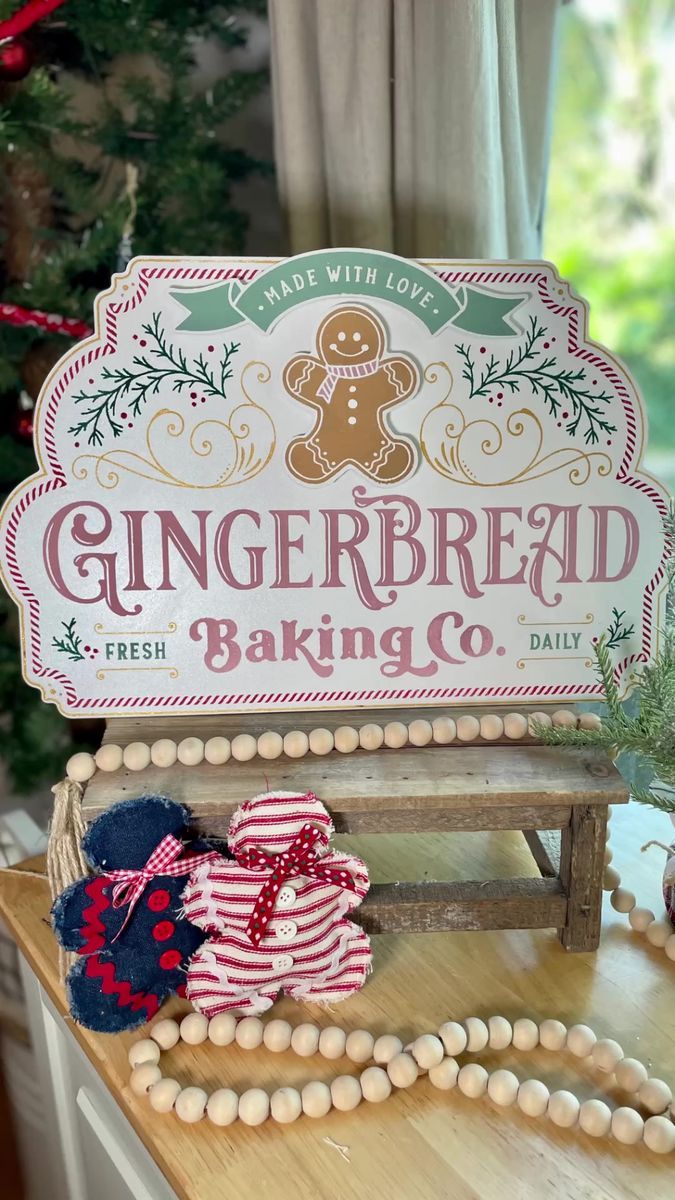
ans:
(16, 55)
(125, 248)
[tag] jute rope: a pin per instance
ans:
(65, 860)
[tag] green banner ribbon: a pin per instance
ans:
(367, 273)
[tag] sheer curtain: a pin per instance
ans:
(419, 126)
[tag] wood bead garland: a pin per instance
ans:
(400, 1068)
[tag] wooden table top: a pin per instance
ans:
(420, 1144)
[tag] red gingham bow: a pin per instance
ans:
(162, 861)
(299, 859)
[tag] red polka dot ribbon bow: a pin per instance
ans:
(163, 861)
(299, 859)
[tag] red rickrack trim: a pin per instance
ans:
(27, 16)
(13, 314)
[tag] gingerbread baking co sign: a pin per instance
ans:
(338, 479)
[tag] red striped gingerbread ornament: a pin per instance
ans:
(278, 912)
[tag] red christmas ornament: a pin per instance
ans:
(16, 60)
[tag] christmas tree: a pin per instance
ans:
(109, 147)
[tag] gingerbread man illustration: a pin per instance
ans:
(277, 914)
(351, 384)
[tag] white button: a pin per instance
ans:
(351, 420)
(286, 897)
(352, 404)
(283, 962)
(286, 931)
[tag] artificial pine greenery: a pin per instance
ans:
(650, 732)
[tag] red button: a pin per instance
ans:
(158, 900)
(163, 930)
(170, 959)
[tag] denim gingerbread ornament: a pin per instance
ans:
(126, 921)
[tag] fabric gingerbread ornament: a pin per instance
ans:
(277, 915)
(126, 921)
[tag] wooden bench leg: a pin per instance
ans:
(582, 850)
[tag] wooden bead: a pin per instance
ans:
(81, 767)
(607, 856)
(371, 737)
(346, 740)
(402, 1070)
(217, 751)
(622, 901)
(630, 1074)
(610, 879)
(136, 756)
(222, 1107)
(500, 1033)
(595, 1118)
(305, 1040)
(270, 745)
(163, 1095)
(491, 727)
(420, 733)
(375, 1085)
(444, 730)
(345, 1092)
(222, 1029)
(580, 1040)
(468, 728)
(321, 741)
(640, 918)
(533, 1097)
(109, 757)
(163, 752)
(359, 1046)
(277, 1035)
(563, 1109)
(296, 744)
(194, 1028)
(515, 726)
(589, 720)
(316, 1099)
(191, 751)
(658, 932)
(254, 1106)
(166, 1033)
(285, 1105)
(146, 1050)
(444, 1074)
(503, 1087)
(428, 1051)
(190, 1105)
(332, 1042)
(244, 747)
(659, 1135)
(606, 1053)
(564, 719)
(655, 1095)
(472, 1080)
(552, 1034)
(143, 1077)
(670, 947)
(386, 1048)
(477, 1034)
(249, 1033)
(627, 1126)
(525, 1034)
(395, 735)
(454, 1037)
(538, 718)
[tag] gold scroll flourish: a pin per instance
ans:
(213, 453)
(587, 620)
(483, 453)
(588, 662)
(103, 671)
(127, 633)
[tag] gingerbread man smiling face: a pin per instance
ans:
(350, 384)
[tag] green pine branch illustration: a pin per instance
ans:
(650, 734)
(564, 391)
(70, 643)
(162, 365)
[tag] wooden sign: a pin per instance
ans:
(340, 479)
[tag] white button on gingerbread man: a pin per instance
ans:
(351, 385)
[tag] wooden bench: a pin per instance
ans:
(558, 799)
